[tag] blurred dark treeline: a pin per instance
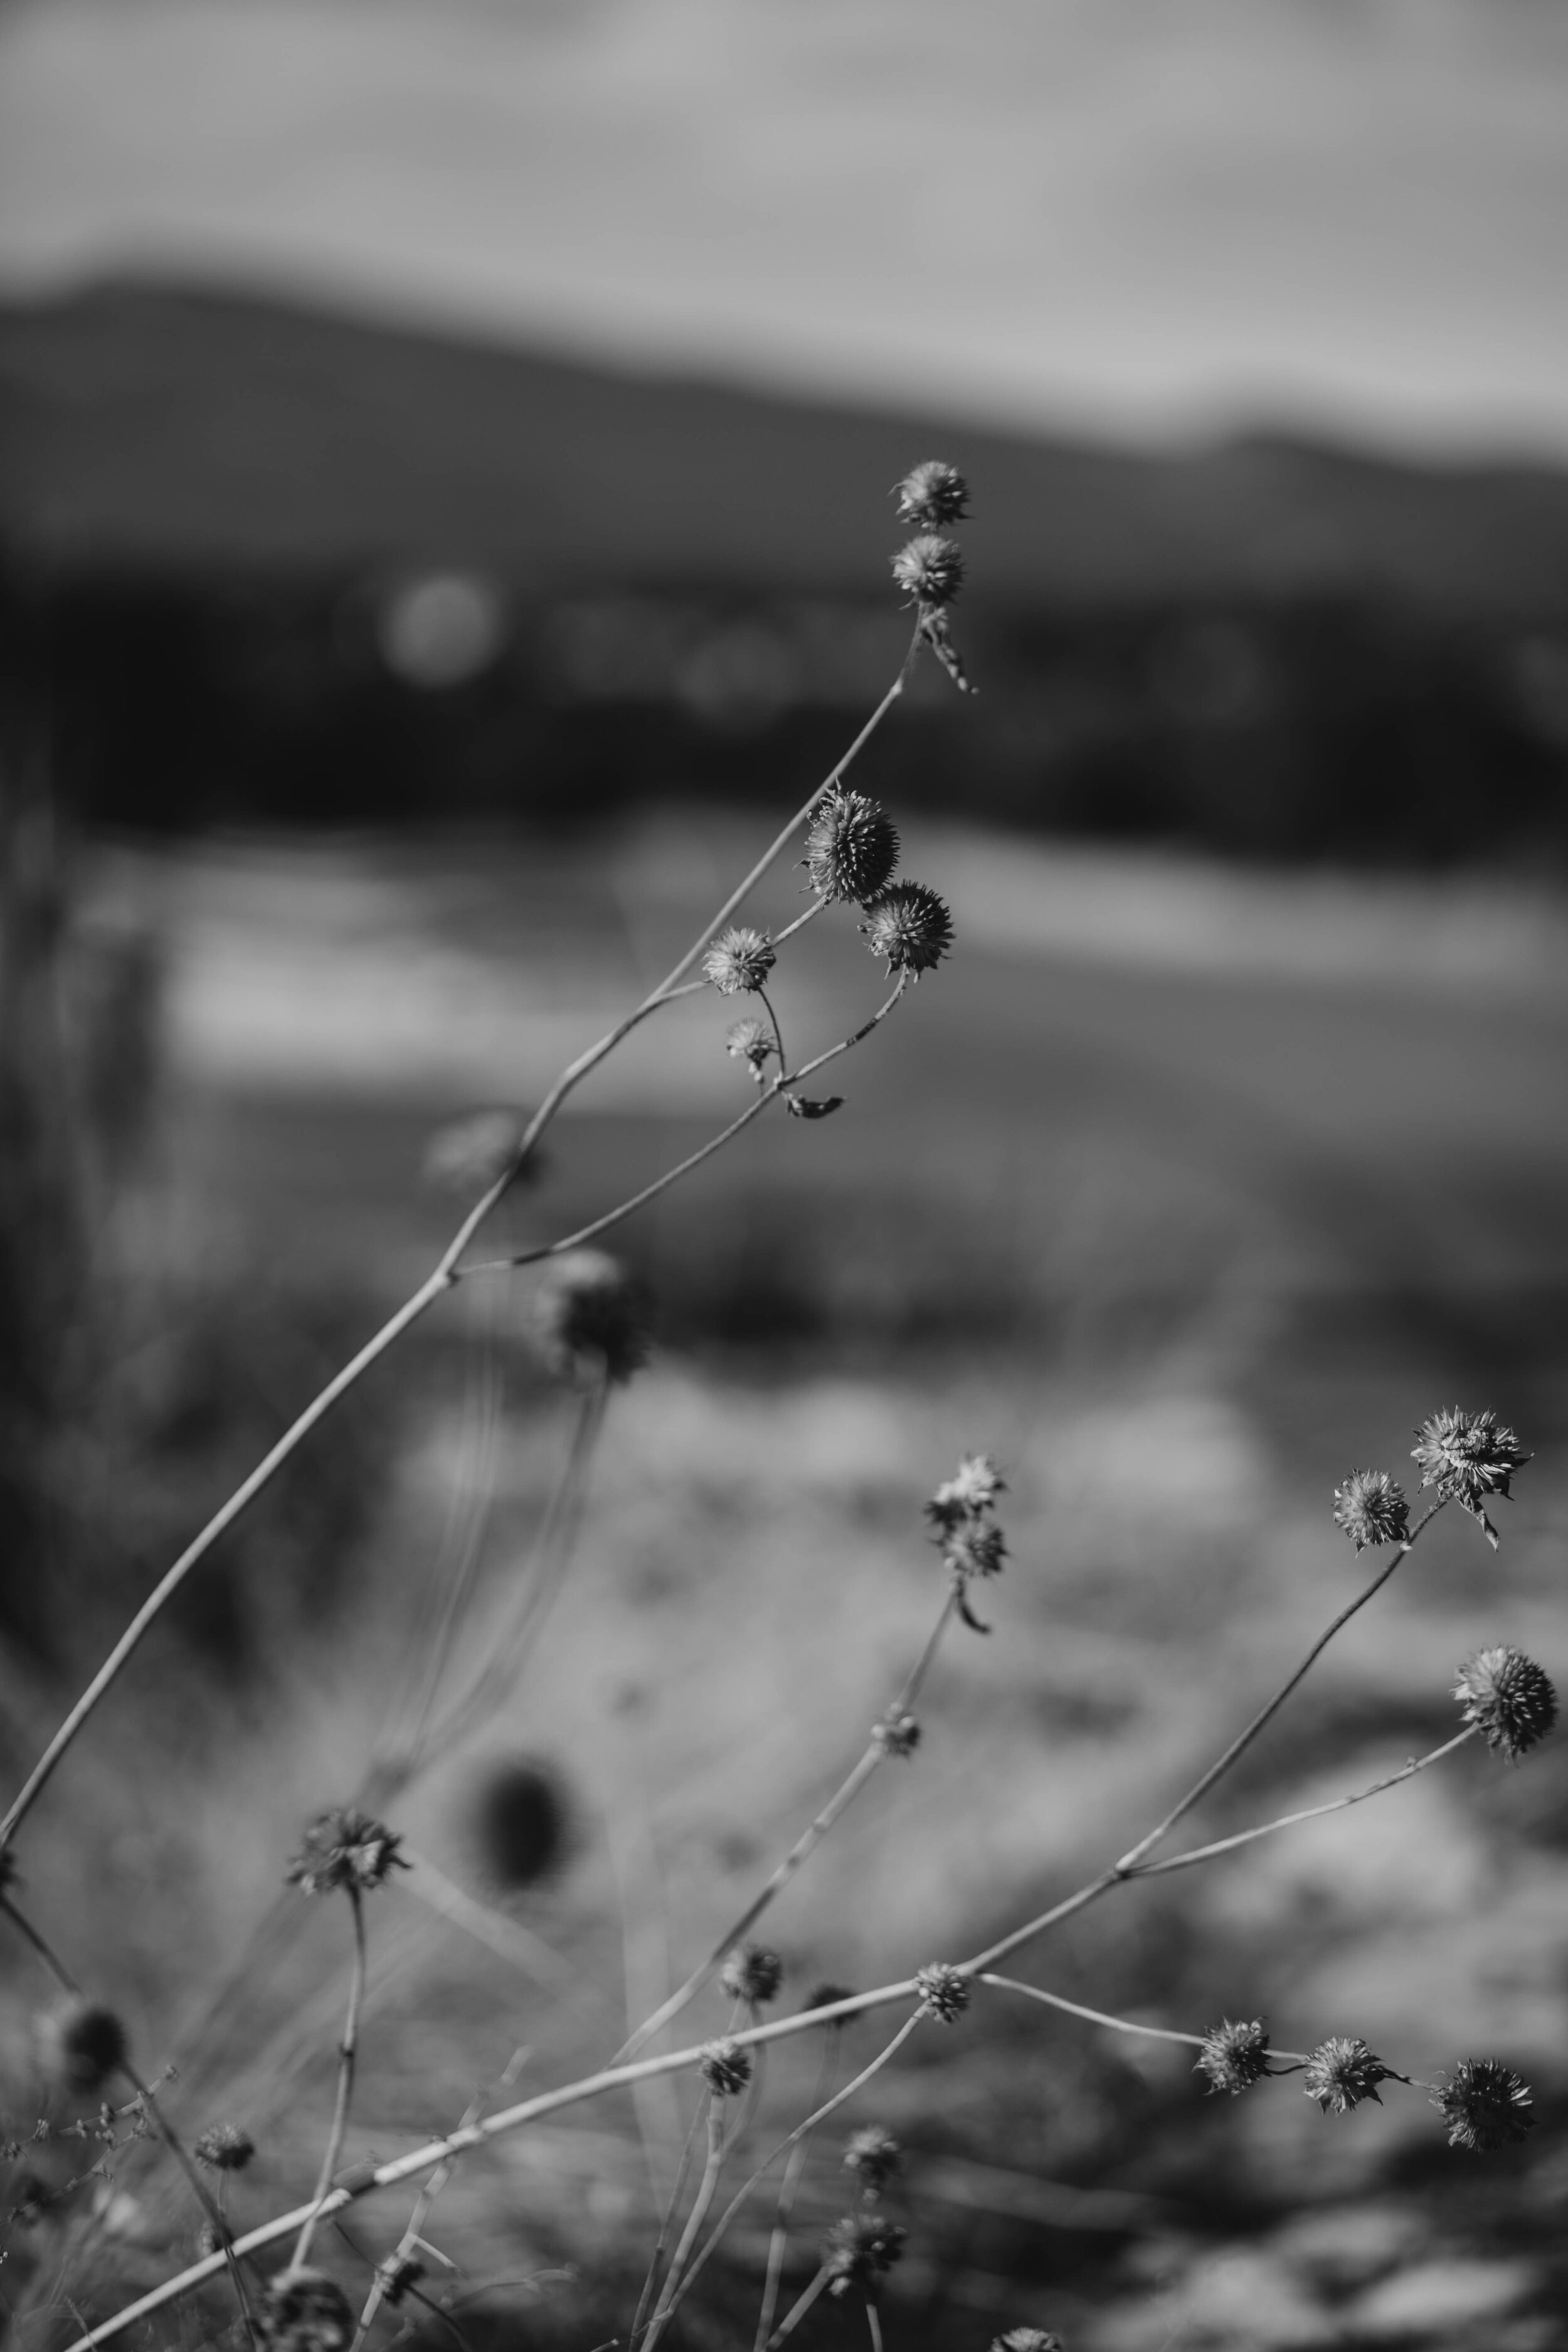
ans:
(261, 565)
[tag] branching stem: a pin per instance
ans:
(347, 2051)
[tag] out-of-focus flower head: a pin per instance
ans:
(1233, 2056)
(590, 1317)
(345, 1849)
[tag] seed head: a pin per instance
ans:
(851, 849)
(897, 1735)
(825, 1996)
(751, 1042)
(930, 571)
(1506, 1696)
(860, 2249)
(931, 495)
(725, 2068)
(740, 960)
(976, 1551)
(347, 1849)
(305, 2311)
(1468, 1456)
(1372, 1509)
(1341, 2074)
(945, 1990)
(397, 2273)
(1233, 2056)
(874, 2155)
(911, 926)
(225, 2147)
(752, 1973)
(590, 1318)
(1485, 2106)
(84, 2043)
(1028, 2339)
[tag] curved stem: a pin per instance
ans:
(1117, 2024)
(795, 2313)
(347, 2050)
(694, 2221)
(788, 2187)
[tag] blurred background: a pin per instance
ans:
(443, 526)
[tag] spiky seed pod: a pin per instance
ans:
(303, 2310)
(825, 1995)
(930, 571)
(874, 2155)
(590, 1318)
(1233, 2056)
(911, 926)
(1507, 1695)
(1341, 2073)
(225, 2147)
(933, 494)
(397, 2273)
(976, 1551)
(945, 1990)
(725, 2067)
(752, 1973)
(851, 848)
(84, 2043)
(1484, 2104)
(1466, 1456)
(860, 2249)
(1028, 2339)
(1372, 1509)
(751, 1042)
(740, 960)
(896, 1734)
(347, 1849)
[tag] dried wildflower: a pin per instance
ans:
(1485, 2104)
(826, 1995)
(753, 1043)
(225, 2147)
(590, 1317)
(303, 2310)
(740, 960)
(897, 1735)
(930, 571)
(933, 494)
(1372, 1508)
(1028, 2339)
(874, 2155)
(1507, 1695)
(1233, 2056)
(911, 926)
(860, 2249)
(1468, 1456)
(347, 1849)
(945, 1990)
(1341, 2073)
(802, 1106)
(84, 2043)
(851, 848)
(752, 1973)
(397, 2273)
(976, 1551)
(725, 2068)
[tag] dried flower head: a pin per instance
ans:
(1372, 1508)
(1341, 2073)
(874, 2155)
(1468, 1456)
(860, 2249)
(397, 2273)
(851, 848)
(930, 570)
(347, 1849)
(84, 2043)
(945, 1990)
(911, 926)
(725, 2067)
(303, 2310)
(976, 1551)
(1233, 2056)
(1485, 2104)
(225, 2147)
(752, 1973)
(590, 1317)
(931, 495)
(740, 960)
(1028, 2339)
(826, 1995)
(1507, 1695)
(751, 1042)
(897, 1733)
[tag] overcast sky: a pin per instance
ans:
(1137, 215)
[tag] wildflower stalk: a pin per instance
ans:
(445, 1275)
(1116, 2024)
(347, 2051)
(779, 2239)
(700, 2204)
(667, 2221)
(797, 2311)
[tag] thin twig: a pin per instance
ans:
(792, 2317)
(347, 2051)
(778, 2243)
(694, 2221)
(1117, 2024)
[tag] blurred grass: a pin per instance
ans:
(1177, 1223)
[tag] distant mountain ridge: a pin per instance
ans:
(176, 429)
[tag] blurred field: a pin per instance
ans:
(1180, 1191)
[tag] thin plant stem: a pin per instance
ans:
(701, 2205)
(45, 1950)
(778, 1031)
(810, 1838)
(817, 906)
(778, 2243)
(347, 2050)
(1117, 2024)
(874, 2325)
(792, 2316)
(667, 2220)
(432, 1288)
